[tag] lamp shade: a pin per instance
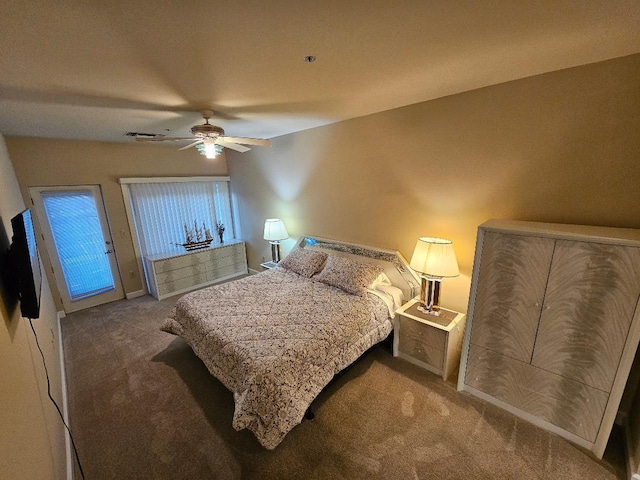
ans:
(274, 230)
(435, 257)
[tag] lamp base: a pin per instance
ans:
(430, 295)
(275, 251)
(435, 313)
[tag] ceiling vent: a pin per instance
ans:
(143, 135)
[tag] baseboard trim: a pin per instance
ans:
(61, 315)
(252, 271)
(65, 403)
(136, 294)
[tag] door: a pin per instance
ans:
(77, 237)
(510, 288)
(590, 301)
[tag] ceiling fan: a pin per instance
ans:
(210, 139)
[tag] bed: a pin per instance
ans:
(277, 338)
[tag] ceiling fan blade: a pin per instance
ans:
(247, 141)
(162, 139)
(232, 146)
(191, 145)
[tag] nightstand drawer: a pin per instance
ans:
(415, 349)
(423, 334)
(422, 342)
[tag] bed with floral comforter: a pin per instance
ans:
(275, 340)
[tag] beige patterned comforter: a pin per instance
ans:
(275, 340)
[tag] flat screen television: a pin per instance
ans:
(26, 264)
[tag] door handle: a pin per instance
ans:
(108, 252)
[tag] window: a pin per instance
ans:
(162, 209)
(159, 209)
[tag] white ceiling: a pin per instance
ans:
(97, 69)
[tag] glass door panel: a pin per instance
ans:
(77, 238)
(77, 235)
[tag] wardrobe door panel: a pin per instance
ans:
(591, 297)
(511, 282)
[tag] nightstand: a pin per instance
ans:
(269, 265)
(429, 341)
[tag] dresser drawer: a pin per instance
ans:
(181, 283)
(570, 405)
(226, 261)
(224, 271)
(174, 263)
(228, 250)
(177, 274)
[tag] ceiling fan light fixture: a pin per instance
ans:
(209, 150)
(210, 140)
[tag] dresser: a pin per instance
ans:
(553, 324)
(177, 272)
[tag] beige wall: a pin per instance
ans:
(561, 147)
(43, 162)
(31, 432)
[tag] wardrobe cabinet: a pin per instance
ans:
(553, 324)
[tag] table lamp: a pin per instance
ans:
(275, 231)
(434, 259)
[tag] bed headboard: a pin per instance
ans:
(394, 264)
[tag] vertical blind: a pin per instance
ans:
(162, 210)
(79, 240)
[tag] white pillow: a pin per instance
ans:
(392, 297)
(381, 279)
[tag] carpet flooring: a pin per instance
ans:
(143, 406)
